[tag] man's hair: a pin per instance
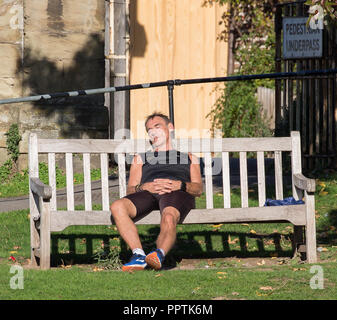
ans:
(158, 114)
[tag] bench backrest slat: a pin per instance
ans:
(70, 181)
(105, 181)
(226, 180)
(208, 181)
(122, 175)
(261, 179)
(244, 179)
(278, 175)
(52, 179)
(87, 182)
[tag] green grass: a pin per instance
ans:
(231, 261)
(17, 184)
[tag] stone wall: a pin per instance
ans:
(49, 46)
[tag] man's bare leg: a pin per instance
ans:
(122, 211)
(166, 238)
(168, 229)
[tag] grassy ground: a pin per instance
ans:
(230, 261)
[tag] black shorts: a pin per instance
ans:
(145, 202)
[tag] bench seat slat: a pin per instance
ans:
(294, 214)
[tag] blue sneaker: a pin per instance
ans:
(155, 259)
(137, 262)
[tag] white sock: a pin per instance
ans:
(138, 251)
(162, 251)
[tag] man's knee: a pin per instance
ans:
(122, 207)
(170, 216)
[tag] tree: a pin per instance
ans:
(244, 21)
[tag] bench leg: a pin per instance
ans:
(310, 230)
(34, 242)
(298, 239)
(45, 235)
(34, 232)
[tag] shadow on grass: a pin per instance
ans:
(80, 248)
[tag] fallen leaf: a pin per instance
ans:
(96, 269)
(252, 231)
(195, 290)
(158, 275)
(299, 269)
(322, 184)
(13, 252)
(267, 288)
(261, 263)
(230, 241)
(235, 293)
(244, 224)
(217, 225)
(220, 272)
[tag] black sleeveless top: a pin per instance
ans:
(170, 164)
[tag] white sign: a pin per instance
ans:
(300, 41)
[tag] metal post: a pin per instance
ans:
(170, 88)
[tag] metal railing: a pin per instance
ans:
(170, 86)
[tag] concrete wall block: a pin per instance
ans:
(10, 56)
(10, 87)
(10, 20)
(61, 17)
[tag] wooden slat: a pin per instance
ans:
(208, 180)
(121, 175)
(87, 182)
(296, 162)
(33, 161)
(70, 181)
(105, 181)
(52, 180)
(243, 179)
(278, 175)
(310, 228)
(141, 145)
(261, 180)
(45, 235)
(226, 180)
(294, 214)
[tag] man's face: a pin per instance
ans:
(158, 131)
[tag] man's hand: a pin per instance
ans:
(162, 186)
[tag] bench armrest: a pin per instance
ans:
(39, 188)
(304, 183)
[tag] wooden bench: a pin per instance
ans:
(45, 216)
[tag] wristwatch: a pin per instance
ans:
(183, 186)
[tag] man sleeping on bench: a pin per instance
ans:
(163, 179)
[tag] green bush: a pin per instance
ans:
(238, 113)
(12, 142)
